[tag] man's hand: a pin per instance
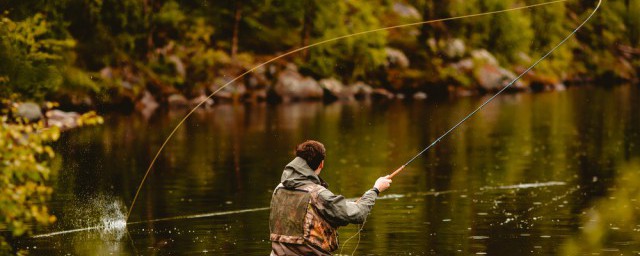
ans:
(382, 183)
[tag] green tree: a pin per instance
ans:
(31, 58)
(353, 57)
(24, 171)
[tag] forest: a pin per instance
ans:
(104, 54)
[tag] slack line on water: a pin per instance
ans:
(353, 35)
(118, 225)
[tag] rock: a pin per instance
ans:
(291, 85)
(361, 90)
(61, 119)
(482, 56)
(492, 78)
(30, 111)
(147, 104)
(177, 101)
(333, 88)
(419, 96)
(382, 93)
(106, 73)
(208, 102)
(396, 57)
(232, 91)
(406, 11)
(559, 87)
(178, 64)
(454, 48)
(465, 65)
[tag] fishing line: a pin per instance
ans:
(493, 97)
(144, 178)
(498, 93)
(250, 210)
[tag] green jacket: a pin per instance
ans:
(336, 209)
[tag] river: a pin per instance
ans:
(521, 177)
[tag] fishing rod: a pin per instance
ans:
(397, 171)
(144, 178)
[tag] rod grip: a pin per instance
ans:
(396, 172)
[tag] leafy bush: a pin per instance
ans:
(24, 171)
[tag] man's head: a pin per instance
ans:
(313, 152)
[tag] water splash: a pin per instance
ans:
(113, 223)
(104, 214)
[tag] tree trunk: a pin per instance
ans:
(306, 28)
(236, 28)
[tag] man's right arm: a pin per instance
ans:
(339, 211)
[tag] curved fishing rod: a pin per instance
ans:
(498, 93)
(144, 178)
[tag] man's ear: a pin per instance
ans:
(321, 164)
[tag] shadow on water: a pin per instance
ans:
(230, 157)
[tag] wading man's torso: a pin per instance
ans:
(305, 215)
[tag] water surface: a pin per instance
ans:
(516, 179)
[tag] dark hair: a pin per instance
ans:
(311, 151)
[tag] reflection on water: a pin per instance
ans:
(613, 224)
(473, 193)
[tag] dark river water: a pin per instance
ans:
(531, 174)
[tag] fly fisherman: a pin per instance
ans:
(305, 215)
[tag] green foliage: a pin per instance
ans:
(504, 34)
(614, 218)
(353, 57)
(30, 57)
(25, 168)
(24, 165)
(54, 47)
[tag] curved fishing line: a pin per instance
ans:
(498, 93)
(487, 102)
(144, 178)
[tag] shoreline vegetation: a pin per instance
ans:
(140, 55)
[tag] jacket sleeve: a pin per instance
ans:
(339, 211)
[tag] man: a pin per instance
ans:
(305, 215)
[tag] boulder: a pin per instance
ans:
(291, 85)
(61, 119)
(30, 111)
(464, 65)
(147, 104)
(232, 91)
(178, 64)
(419, 96)
(333, 88)
(106, 73)
(454, 48)
(482, 56)
(492, 77)
(406, 10)
(382, 93)
(206, 102)
(177, 101)
(397, 58)
(361, 90)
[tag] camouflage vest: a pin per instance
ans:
(295, 219)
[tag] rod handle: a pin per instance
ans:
(396, 172)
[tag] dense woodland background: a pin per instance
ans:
(100, 53)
